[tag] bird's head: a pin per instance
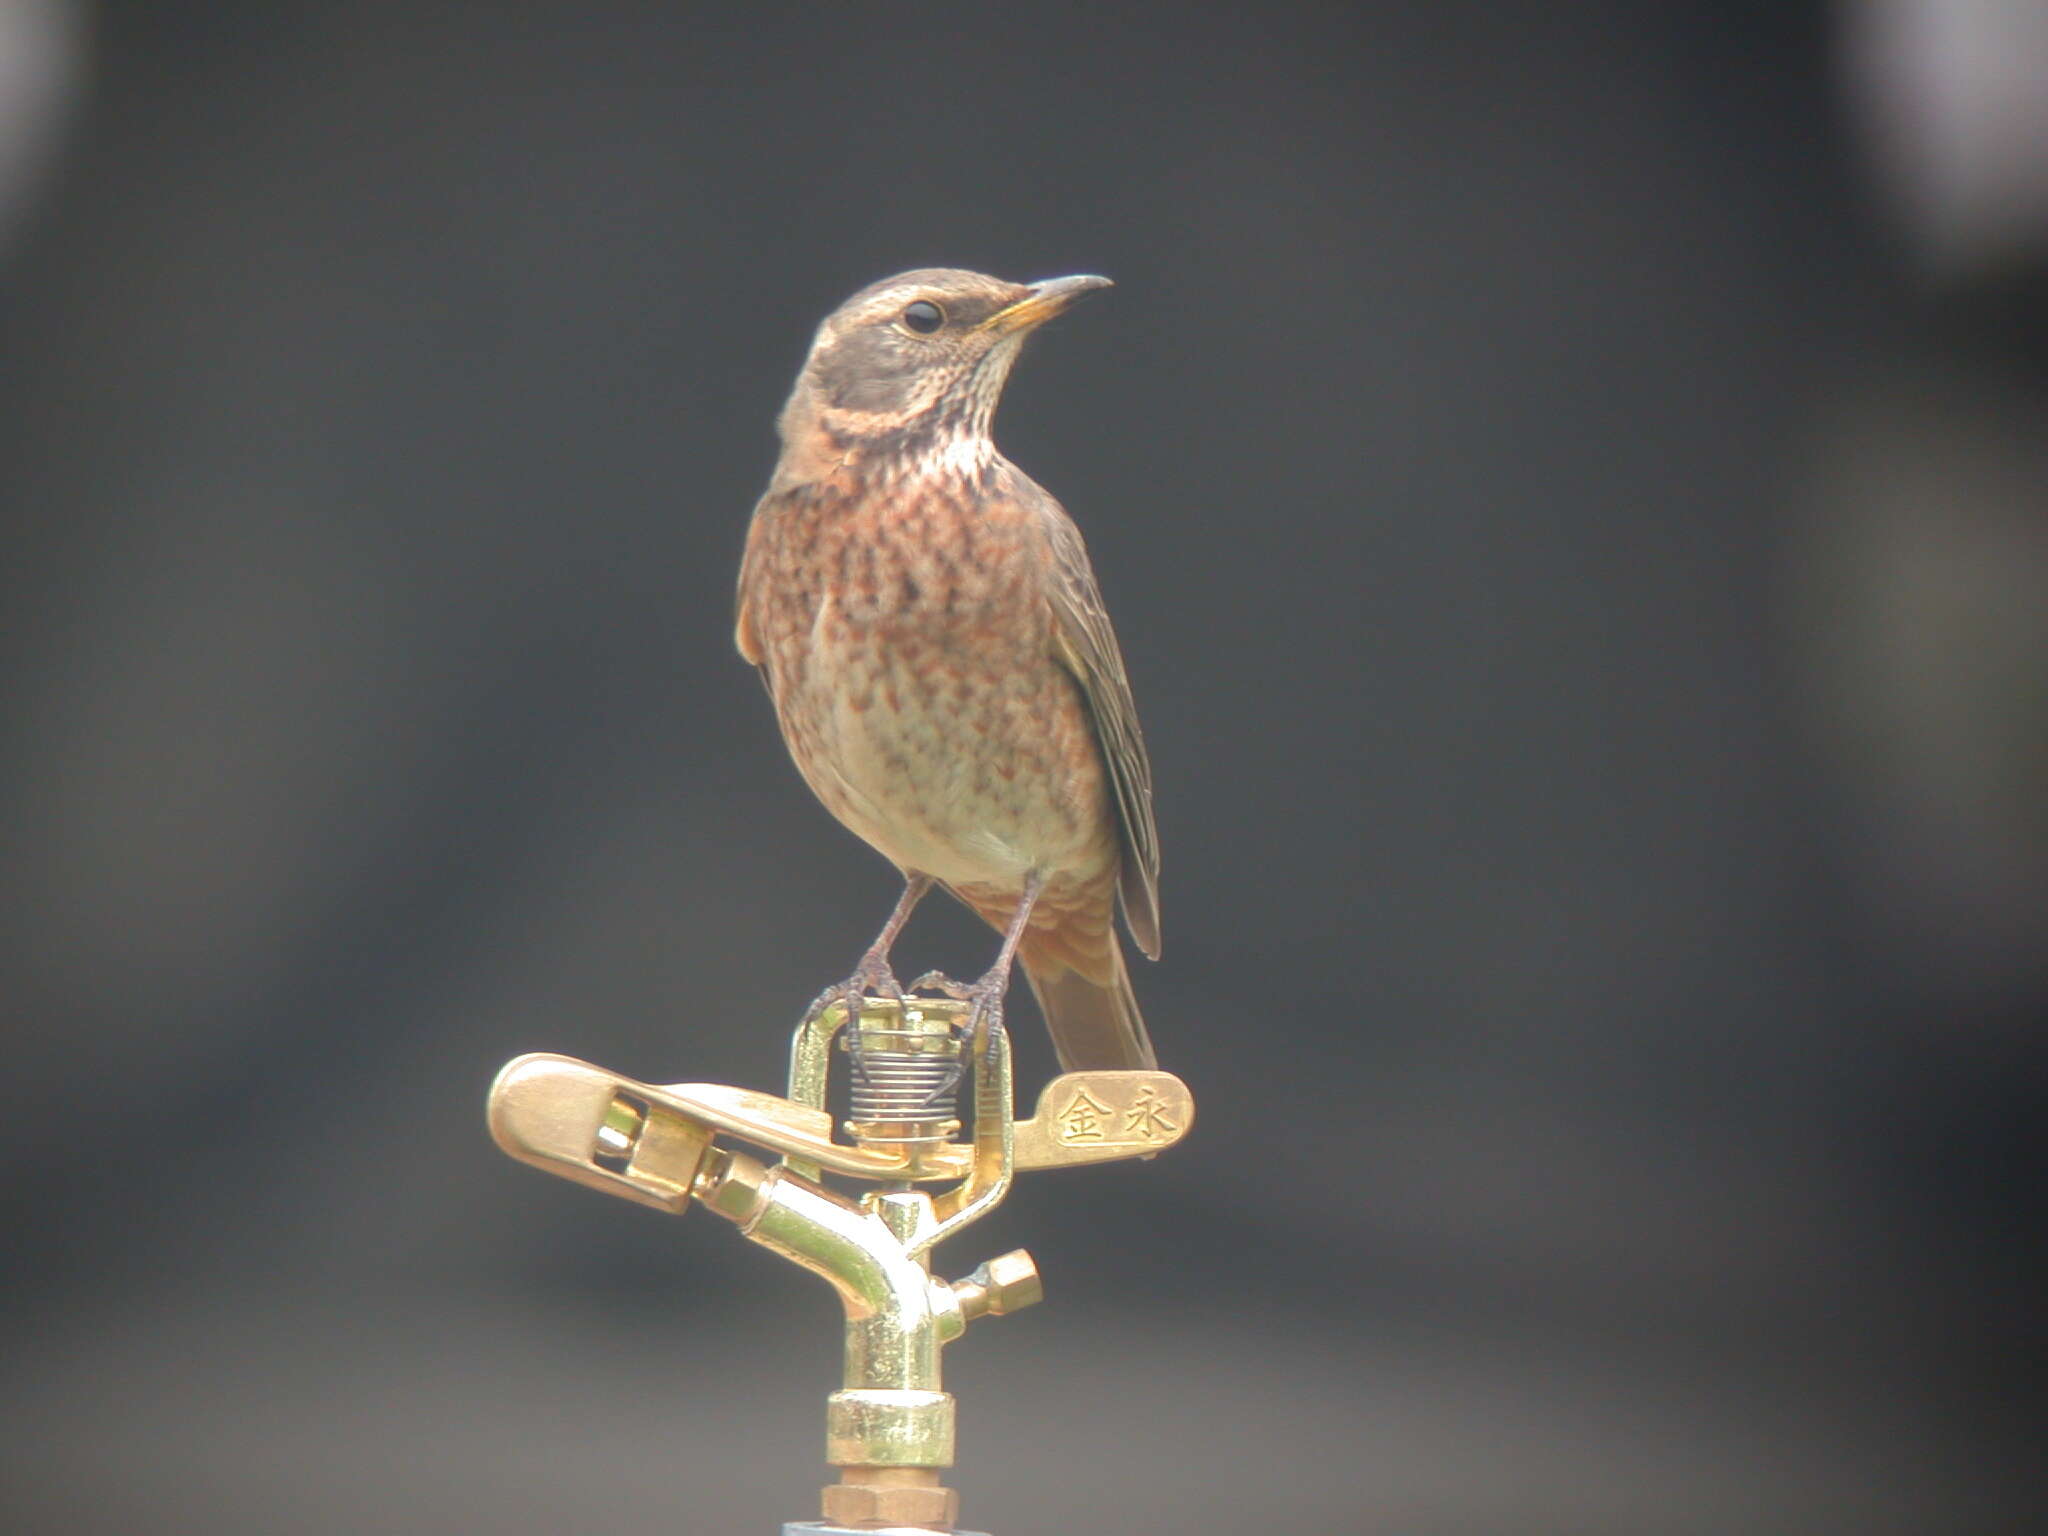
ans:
(916, 359)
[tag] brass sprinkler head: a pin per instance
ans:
(890, 1427)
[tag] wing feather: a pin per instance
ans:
(1086, 646)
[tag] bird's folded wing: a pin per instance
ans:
(1086, 645)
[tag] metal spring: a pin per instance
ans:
(904, 1086)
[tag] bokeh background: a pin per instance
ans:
(1573, 488)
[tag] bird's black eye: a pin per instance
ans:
(924, 317)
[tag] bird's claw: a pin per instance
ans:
(871, 978)
(939, 981)
(985, 996)
(984, 1017)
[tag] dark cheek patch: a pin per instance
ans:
(868, 371)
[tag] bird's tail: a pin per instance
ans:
(1094, 1024)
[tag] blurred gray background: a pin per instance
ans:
(1572, 486)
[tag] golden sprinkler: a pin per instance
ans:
(889, 1429)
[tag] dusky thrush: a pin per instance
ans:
(941, 663)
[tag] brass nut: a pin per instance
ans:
(739, 1188)
(935, 1509)
(1011, 1283)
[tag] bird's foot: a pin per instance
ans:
(984, 1015)
(871, 978)
(939, 981)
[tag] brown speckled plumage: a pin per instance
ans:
(941, 664)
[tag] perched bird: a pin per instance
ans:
(939, 657)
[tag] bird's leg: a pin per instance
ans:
(986, 995)
(873, 974)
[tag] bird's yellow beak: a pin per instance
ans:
(1054, 296)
